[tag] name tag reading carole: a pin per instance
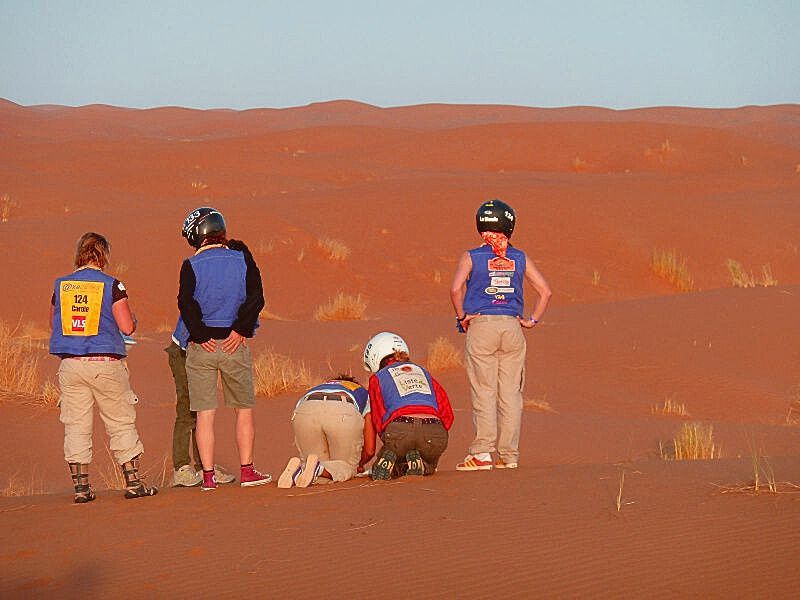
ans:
(409, 379)
(81, 304)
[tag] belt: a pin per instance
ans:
(426, 420)
(94, 358)
(336, 397)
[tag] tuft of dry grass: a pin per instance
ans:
(670, 407)
(5, 207)
(595, 278)
(739, 277)
(538, 405)
(110, 472)
(19, 485)
(19, 373)
(199, 185)
(694, 441)
(443, 355)
(579, 165)
(793, 414)
(342, 307)
(672, 268)
(437, 276)
(274, 373)
(119, 268)
(164, 327)
(767, 280)
(333, 248)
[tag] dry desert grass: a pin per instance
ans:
(19, 485)
(443, 355)
(274, 373)
(538, 405)
(672, 268)
(670, 407)
(694, 441)
(342, 307)
(5, 207)
(334, 249)
(19, 368)
(741, 278)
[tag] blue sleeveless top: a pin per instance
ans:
(405, 384)
(495, 284)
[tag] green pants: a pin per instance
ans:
(185, 419)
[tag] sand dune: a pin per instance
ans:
(596, 190)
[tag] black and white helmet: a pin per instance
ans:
(202, 223)
(496, 215)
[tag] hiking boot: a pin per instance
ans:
(414, 464)
(476, 462)
(80, 478)
(134, 486)
(290, 473)
(309, 471)
(222, 475)
(186, 476)
(250, 477)
(209, 481)
(383, 467)
(501, 464)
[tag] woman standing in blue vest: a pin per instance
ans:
(409, 409)
(219, 298)
(89, 312)
(487, 295)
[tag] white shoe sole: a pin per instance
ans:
(506, 466)
(306, 478)
(267, 479)
(483, 468)
(285, 481)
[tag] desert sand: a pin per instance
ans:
(596, 191)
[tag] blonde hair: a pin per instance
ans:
(93, 249)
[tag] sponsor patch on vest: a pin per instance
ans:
(501, 281)
(498, 263)
(409, 379)
(81, 303)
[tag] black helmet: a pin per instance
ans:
(202, 223)
(495, 215)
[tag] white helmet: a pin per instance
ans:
(379, 347)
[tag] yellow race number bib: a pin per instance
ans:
(81, 304)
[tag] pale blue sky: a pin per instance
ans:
(254, 54)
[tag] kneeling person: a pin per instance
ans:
(332, 432)
(409, 409)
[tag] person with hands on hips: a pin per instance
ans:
(487, 296)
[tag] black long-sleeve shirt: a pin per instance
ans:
(247, 316)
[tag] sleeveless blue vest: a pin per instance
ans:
(73, 337)
(359, 395)
(405, 384)
(221, 284)
(495, 284)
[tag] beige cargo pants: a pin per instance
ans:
(334, 431)
(495, 357)
(84, 383)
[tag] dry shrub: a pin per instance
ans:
(119, 268)
(767, 280)
(268, 315)
(739, 277)
(335, 249)
(110, 473)
(579, 165)
(274, 373)
(595, 278)
(164, 327)
(694, 441)
(443, 355)
(793, 414)
(672, 268)
(662, 151)
(19, 374)
(670, 407)
(342, 307)
(5, 207)
(18, 485)
(538, 405)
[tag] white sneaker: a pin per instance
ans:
(309, 472)
(222, 475)
(186, 476)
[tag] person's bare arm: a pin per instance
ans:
(368, 451)
(542, 288)
(458, 289)
(123, 316)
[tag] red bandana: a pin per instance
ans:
(498, 241)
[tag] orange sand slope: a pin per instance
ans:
(596, 191)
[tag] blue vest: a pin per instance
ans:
(221, 284)
(181, 334)
(359, 395)
(405, 384)
(494, 286)
(88, 325)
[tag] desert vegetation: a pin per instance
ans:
(5, 207)
(742, 278)
(342, 307)
(334, 249)
(670, 407)
(694, 441)
(539, 404)
(443, 355)
(274, 373)
(672, 268)
(19, 369)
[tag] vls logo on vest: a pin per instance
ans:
(78, 323)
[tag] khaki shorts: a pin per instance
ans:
(235, 371)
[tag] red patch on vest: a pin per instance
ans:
(406, 369)
(501, 264)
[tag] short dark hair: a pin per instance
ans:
(346, 377)
(397, 356)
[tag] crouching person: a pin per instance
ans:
(333, 433)
(89, 312)
(410, 410)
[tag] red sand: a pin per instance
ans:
(596, 191)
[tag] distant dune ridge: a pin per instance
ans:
(635, 217)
